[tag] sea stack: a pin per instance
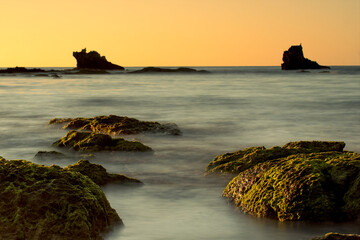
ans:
(294, 59)
(93, 60)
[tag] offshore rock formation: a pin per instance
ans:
(338, 236)
(39, 202)
(300, 181)
(22, 70)
(95, 142)
(294, 59)
(93, 60)
(116, 125)
(98, 173)
(168, 70)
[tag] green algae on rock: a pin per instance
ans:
(43, 155)
(239, 161)
(338, 236)
(302, 186)
(116, 125)
(39, 202)
(94, 142)
(98, 173)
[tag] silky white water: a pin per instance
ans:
(229, 109)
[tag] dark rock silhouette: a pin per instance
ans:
(21, 70)
(93, 60)
(294, 59)
(168, 70)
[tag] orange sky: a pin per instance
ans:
(41, 33)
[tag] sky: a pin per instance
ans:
(44, 33)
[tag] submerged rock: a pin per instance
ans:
(94, 142)
(294, 59)
(39, 202)
(168, 70)
(93, 60)
(116, 125)
(98, 173)
(44, 155)
(300, 181)
(338, 236)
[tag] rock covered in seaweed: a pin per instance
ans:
(338, 236)
(98, 173)
(294, 59)
(241, 160)
(116, 125)
(39, 202)
(44, 155)
(93, 60)
(300, 181)
(94, 142)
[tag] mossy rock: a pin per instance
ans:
(303, 186)
(94, 142)
(98, 173)
(116, 125)
(39, 202)
(338, 236)
(239, 161)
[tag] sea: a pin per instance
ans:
(228, 109)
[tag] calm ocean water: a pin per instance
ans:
(229, 109)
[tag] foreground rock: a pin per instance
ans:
(22, 70)
(338, 236)
(95, 142)
(168, 70)
(39, 202)
(98, 173)
(239, 161)
(116, 125)
(300, 181)
(294, 59)
(93, 60)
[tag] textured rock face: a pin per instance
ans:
(300, 181)
(239, 161)
(94, 142)
(98, 173)
(116, 125)
(338, 236)
(39, 202)
(93, 60)
(294, 59)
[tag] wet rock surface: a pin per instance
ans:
(313, 181)
(98, 173)
(39, 202)
(338, 236)
(116, 125)
(93, 60)
(294, 59)
(95, 142)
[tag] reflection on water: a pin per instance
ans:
(230, 109)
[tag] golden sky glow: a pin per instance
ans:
(41, 33)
